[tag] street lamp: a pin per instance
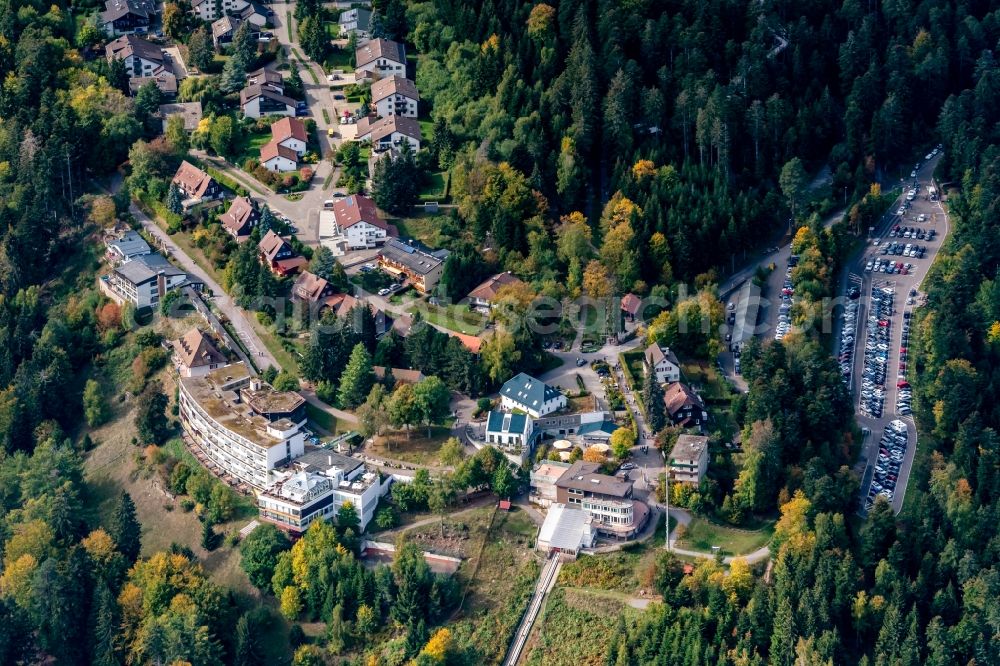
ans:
(666, 497)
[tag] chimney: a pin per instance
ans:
(161, 284)
(329, 461)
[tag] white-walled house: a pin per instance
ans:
(275, 157)
(389, 132)
(262, 100)
(355, 20)
(531, 396)
(381, 57)
(141, 58)
(395, 96)
(209, 10)
(195, 354)
(663, 364)
(145, 279)
(689, 459)
(356, 218)
(290, 133)
(126, 17)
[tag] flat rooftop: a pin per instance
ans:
(265, 400)
(216, 393)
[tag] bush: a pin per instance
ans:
(187, 504)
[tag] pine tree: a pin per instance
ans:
(652, 398)
(247, 651)
(244, 46)
(234, 76)
(104, 628)
(396, 27)
(200, 53)
(125, 528)
(357, 379)
(174, 203)
(207, 536)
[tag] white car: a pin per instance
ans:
(913, 174)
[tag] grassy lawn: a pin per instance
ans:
(436, 188)
(573, 627)
(497, 575)
(252, 146)
(702, 535)
(339, 59)
(426, 129)
(321, 419)
(425, 227)
(413, 447)
(633, 365)
(272, 341)
(457, 318)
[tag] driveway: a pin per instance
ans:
(223, 303)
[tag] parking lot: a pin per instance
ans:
(896, 259)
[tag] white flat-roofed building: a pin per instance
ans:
(315, 487)
(689, 459)
(244, 428)
(565, 530)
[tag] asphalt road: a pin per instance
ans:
(902, 284)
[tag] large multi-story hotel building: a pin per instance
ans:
(242, 425)
(315, 486)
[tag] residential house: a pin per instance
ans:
(126, 247)
(340, 304)
(145, 279)
(315, 486)
(630, 306)
(395, 96)
(399, 375)
(608, 499)
(189, 111)
(421, 268)
(259, 100)
(278, 158)
(256, 14)
(241, 218)
(195, 185)
(287, 145)
(389, 132)
(164, 81)
(224, 29)
(141, 57)
(485, 294)
(277, 254)
(689, 459)
(357, 220)
(195, 354)
(311, 288)
(566, 531)
(529, 395)
(662, 363)
(241, 428)
(684, 407)
(267, 77)
(381, 57)
(510, 432)
(209, 10)
(125, 17)
(357, 20)
(542, 481)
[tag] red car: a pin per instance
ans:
(902, 385)
(902, 350)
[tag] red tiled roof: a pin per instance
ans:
(290, 265)
(488, 290)
(678, 395)
(192, 180)
(357, 208)
(239, 217)
(631, 303)
(288, 128)
(272, 149)
(309, 287)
